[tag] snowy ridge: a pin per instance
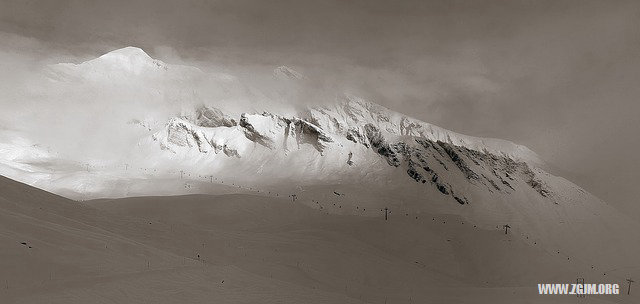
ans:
(352, 112)
(348, 119)
(351, 140)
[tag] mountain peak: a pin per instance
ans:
(127, 52)
(129, 60)
(129, 57)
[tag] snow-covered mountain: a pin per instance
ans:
(352, 137)
(174, 129)
(165, 116)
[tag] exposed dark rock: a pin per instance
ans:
(462, 201)
(354, 135)
(287, 131)
(230, 152)
(406, 126)
(536, 184)
(424, 151)
(309, 133)
(380, 145)
(473, 155)
(403, 150)
(442, 188)
(460, 163)
(178, 133)
(493, 184)
(414, 174)
(253, 135)
(212, 117)
(435, 180)
(504, 182)
(442, 163)
(182, 134)
(200, 141)
(425, 143)
(374, 135)
(437, 148)
(336, 124)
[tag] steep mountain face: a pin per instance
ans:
(429, 155)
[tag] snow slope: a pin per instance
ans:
(252, 248)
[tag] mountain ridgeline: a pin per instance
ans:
(429, 155)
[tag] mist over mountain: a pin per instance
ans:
(125, 124)
(137, 108)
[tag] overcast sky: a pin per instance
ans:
(558, 76)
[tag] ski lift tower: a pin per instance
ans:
(506, 228)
